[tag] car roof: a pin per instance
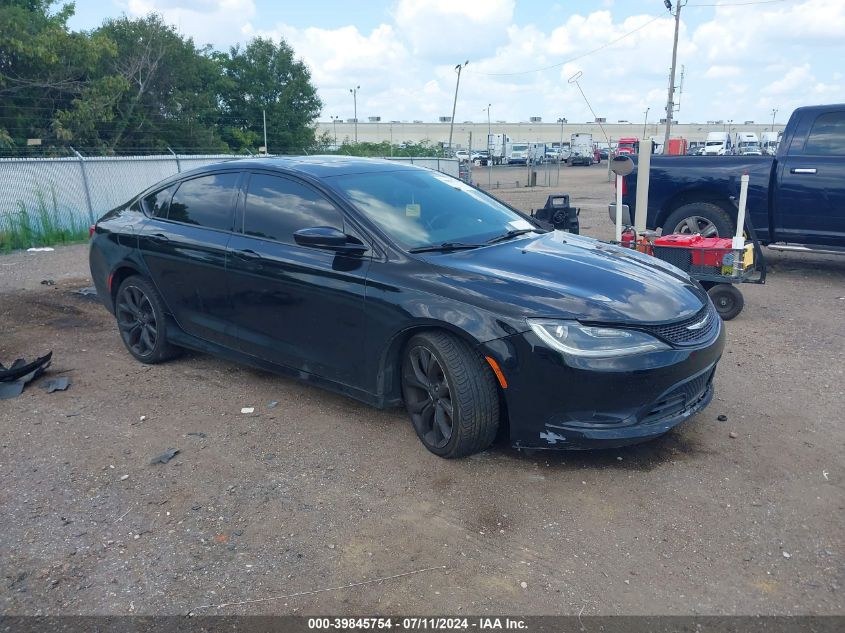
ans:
(316, 166)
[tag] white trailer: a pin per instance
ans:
(500, 147)
(769, 142)
(581, 149)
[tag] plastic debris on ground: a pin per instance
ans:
(166, 456)
(13, 379)
(58, 384)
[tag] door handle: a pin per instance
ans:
(803, 170)
(159, 237)
(247, 254)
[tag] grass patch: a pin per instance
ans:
(45, 225)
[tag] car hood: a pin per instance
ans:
(574, 277)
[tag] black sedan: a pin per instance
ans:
(395, 284)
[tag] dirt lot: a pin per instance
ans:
(321, 492)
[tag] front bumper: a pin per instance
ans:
(558, 402)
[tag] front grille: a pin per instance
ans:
(681, 398)
(680, 334)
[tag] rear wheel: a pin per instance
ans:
(450, 395)
(727, 299)
(140, 319)
(706, 218)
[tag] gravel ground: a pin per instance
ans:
(743, 516)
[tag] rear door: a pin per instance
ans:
(810, 198)
(184, 247)
(297, 306)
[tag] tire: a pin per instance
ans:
(436, 363)
(139, 311)
(712, 220)
(727, 299)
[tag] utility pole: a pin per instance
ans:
(645, 123)
(670, 104)
(264, 115)
(458, 70)
(354, 92)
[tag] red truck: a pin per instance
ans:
(628, 146)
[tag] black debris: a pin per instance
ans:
(58, 384)
(166, 456)
(722, 418)
(199, 434)
(48, 282)
(10, 390)
(14, 378)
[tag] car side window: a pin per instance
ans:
(206, 201)
(827, 138)
(278, 207)
(156, 204)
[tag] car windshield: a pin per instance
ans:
(420, 208)
(712, 143)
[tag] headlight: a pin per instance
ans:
(570, 337)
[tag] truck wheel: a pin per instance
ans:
(727, 299)
(706, 218)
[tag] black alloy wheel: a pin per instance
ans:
(428, 397)
(450, 394)
(140, 320)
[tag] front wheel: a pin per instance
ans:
(450, 395)
(727, 299)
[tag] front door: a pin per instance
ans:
(810, 199)
(294, 305)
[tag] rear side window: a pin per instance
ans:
(206, 201)
(277, 207)
(827, 138)
(156, 204)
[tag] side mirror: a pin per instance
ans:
(329, 238)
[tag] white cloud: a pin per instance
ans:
(207, 21)
(722, 72)
(738, 64)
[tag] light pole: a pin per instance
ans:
(645, 123)
(774, 114)
(334, 125)
(489, 149)
(561, 120)
(458, 70)
(354, 92)
(670, 104)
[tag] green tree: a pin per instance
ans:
(43, 67)
(168, 96)
(266, 77)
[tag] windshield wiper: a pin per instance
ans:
(445, 246)
(511, 234)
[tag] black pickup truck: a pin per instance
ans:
(796, 199)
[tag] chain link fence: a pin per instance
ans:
(45, 201)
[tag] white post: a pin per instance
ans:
(739, 240)
(619, 180)
(643, 176)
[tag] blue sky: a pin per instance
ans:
(741, 59)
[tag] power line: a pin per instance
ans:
(572, 59)
(738, 4)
